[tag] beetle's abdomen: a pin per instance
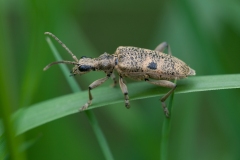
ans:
(138, 63)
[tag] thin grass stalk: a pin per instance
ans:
(91, 117)
(7, 135)
(166, 130)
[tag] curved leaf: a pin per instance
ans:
(52, 109)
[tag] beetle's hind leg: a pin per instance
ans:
(162, 46)
(168, 84)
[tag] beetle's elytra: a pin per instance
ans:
(132, 62)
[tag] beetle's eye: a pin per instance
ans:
(84, 68)
(83, 57)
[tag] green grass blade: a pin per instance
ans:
(166, 130)
(91, 117)
(58, 107)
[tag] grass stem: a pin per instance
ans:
(166, 130)
(91, 117)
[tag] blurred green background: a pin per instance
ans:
(205, 34)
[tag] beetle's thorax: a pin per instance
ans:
(104, 62)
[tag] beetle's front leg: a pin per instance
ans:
(168, 84)
(92, 86)
(124, 91)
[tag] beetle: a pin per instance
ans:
(132, 62)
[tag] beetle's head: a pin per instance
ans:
(83, 66)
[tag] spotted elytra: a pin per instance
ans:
(132, 62)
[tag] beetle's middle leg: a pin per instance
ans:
(124, 91)
(162, 46)
(168, 84)
(113, 77)
(92, 86)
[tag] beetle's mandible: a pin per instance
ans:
(132, 62)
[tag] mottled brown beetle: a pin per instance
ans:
(135, 63)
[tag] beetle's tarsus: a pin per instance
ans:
(127, 104)
(85, 106)
(165, 109)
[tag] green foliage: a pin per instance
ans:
(204, 34)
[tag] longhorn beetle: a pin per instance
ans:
(132, 62)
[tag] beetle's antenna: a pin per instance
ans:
(63, 45)
(67, 62)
